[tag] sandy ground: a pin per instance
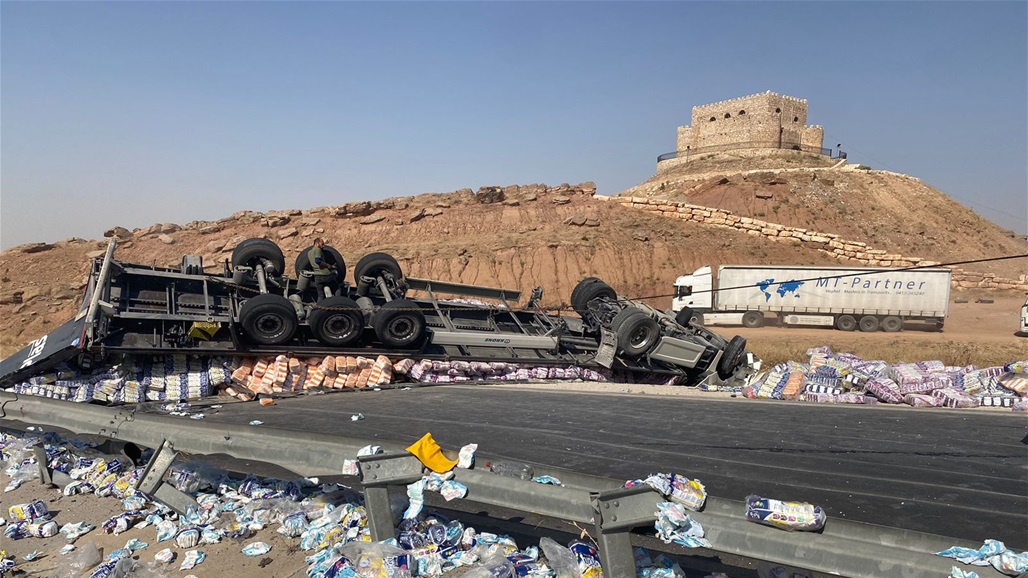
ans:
(223, 559)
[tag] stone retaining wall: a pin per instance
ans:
(854, 252)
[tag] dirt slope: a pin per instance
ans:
(523, 237)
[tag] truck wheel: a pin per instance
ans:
(732, 357)
(337, 321)
(892, 324)
(590, 292)
(582, 283)
(252, 252)
(375, 264)
(869, 324)
(637, 333)
(303, 262)
(687, 316)
(753, 319)
(399, 324)
(268, 319)
(845, 323)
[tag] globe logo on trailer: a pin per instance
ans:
(784, 288)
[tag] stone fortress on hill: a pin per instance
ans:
(757, 124)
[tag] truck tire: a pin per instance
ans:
(268, 319)
(686, 316)
(252, 252)
(892, 324)
(869, 324)
(590, 292)
(582, 283)
(845, 323)
(399, 324)
(637, 333)
(753, 319)
(337, 321)
(732, 357)
(333, 257)
(375, 264)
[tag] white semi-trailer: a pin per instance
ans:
(847, 298)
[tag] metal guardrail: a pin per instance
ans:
(843, 548)
(786, 146)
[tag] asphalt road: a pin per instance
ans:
(962, 474)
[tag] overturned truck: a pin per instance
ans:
(253, 308)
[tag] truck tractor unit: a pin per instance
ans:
(846, 298)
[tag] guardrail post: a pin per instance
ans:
(617, 512)
(152, 482)
(45, 473)
(377, 473)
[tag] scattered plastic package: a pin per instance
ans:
(256, 549)
(466, 456)
(191, 559)
(674, 525)
(992, 553)
(785, 515)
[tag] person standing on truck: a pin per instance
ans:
(324, 273)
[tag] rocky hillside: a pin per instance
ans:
(527, 236)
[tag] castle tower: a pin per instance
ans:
(758, 121)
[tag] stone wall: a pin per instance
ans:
(854, 252)
(766, 120)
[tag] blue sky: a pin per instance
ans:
(133, 113)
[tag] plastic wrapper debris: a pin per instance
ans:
(84, 557)
(992, 553)
(588, 559)
(466, 456)
(560, 559)
(166, 530)
(187, 538)
(135, 544)
(256, 549)
(416, 498)
(379, 560)
(674, 525)
(452, 490)
(785, 515)
(191, 559)
(496, 566)
(547, 480)
(165, 556)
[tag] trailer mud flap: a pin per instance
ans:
(59, 345)
(608, 347)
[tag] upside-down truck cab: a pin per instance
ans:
(847, 298)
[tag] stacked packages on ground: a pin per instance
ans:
(844, 378)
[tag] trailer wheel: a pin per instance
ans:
(399, 323)
(846, 323)
(753, 319)
(333, 257)
(582, 283)
(732, 357)
(637, 333)
(337, 321)
(869, 324)
(252, 252)
(268, 319)
(590, 292)
(892, 324)
(375, 264)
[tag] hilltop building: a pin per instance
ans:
(758, 122)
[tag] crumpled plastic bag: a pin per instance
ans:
(560, 559)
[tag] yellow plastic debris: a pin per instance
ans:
(428, 451)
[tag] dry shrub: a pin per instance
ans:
(896, 351)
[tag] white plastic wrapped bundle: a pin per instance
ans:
(906, 373)
(885, 389)
(955, 398)
(1014, 382)
(924, 386)
(1020, 367)
(83, 393)
(930, 366)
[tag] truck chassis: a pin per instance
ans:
(253, 309)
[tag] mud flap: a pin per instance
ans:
(59, 345)
(608, 346)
